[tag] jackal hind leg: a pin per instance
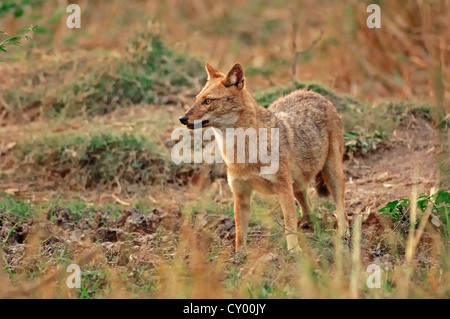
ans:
(333, 173)
(301, 195)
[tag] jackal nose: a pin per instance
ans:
(183, 119)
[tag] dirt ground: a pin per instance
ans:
(407, 160)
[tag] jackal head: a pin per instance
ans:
(220, 102)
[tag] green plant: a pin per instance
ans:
(15, 39)
(361, 141)
(398, 211)
(441, 208)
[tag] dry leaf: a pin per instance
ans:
(435, 221)
(12, 191)
(382, 177)
(5, 148)
(117, 199)
(151, 198)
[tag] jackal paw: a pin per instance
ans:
(294, 250)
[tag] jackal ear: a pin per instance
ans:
(235, 77)
(212, 73)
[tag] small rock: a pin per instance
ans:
(106, 235)
(62, 217)
(138, 222)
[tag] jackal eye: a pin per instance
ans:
(207, 101)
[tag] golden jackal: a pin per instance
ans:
(310, 144)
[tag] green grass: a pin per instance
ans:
(7, 268)
(77, 208)
(18, 207)
(93, 283)
(94, 161)
(144, 205)
(144, 280)
(96, 84)
(11, 230)
(150, 71)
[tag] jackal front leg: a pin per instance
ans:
(287, 203)
(242, 196)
